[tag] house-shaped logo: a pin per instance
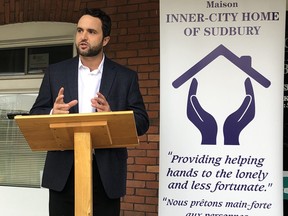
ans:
(244, 63)
(236, 121)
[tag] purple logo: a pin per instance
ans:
(236, 121)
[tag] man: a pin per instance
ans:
(87, 83)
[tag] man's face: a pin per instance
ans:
(89, 39)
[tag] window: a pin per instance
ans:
(41, 57)
(13, 61)
(19, 166)
(31, 60)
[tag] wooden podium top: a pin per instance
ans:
(56, 132)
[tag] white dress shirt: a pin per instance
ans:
(88, 86)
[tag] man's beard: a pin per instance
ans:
(91, 52)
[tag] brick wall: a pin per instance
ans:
(134, 43)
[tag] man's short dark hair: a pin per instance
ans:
(105, 19)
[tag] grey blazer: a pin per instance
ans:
(120, 87)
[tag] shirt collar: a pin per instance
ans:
(96, 71)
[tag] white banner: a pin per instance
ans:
(221, 109)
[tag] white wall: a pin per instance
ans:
(17, 201)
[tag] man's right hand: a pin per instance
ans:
(59, 106)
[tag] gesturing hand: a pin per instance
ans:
(204, 121)
(60, 107)
(235, 122)
(100, 103)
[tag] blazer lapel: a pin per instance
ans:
(72, 82)
(107, 77)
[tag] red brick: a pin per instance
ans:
(126, 53)
(149, 52)
(142, 76)
(153, 129)
(151, 6)
(146, 192)
(145, 176)
(146, 161)
(145, 208)
(152, 200)
(131, 160)
(149, 68)
(96, 4)
(154, 169)
(154, 60)
(153, 137)
(155, 106)
(138, 168)
(152, 185)
(153, 153)
(130, 191)
(128, 24)
(138, 45)
(138, 15)
(135, 184)
(127, 206)
(150, 145)
(133, 213)
(142, 140)
(151, 214)
(137, 152)
(134, 199)
(130, 175)
(127, 8)
(154, 91)
(149, 83)
(153, 114)
(137, 61)
(152, 98)
(154, 75)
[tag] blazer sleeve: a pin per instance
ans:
(135, 103)
(44, 101)
(121, 88)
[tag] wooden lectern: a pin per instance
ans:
(83, 133)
